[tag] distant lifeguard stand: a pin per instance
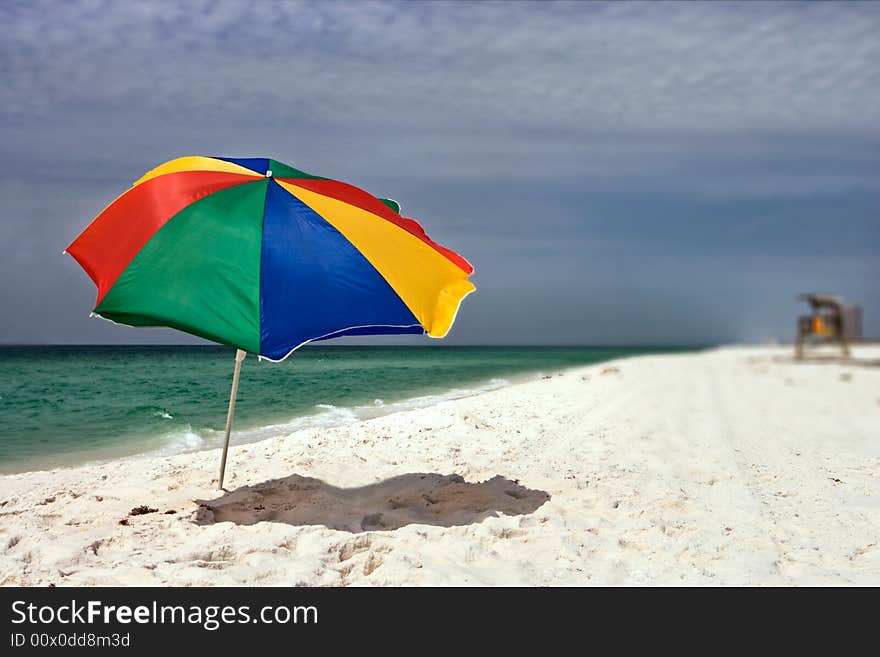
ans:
(830, 321)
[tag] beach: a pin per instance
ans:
(732, 466)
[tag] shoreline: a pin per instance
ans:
(724, 466)
(184, 439)
(250, 435)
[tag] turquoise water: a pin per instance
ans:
(66, 405)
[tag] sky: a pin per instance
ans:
(617, 173)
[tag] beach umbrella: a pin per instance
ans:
(254, 254)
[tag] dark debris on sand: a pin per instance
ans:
(141, 510)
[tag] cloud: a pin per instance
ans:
(512, 90)
(600, 163)
(580, 67)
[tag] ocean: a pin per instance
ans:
(63, 405)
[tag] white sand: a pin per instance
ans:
(728, 467)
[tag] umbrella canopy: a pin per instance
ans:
(260, 256)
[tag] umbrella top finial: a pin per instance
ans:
(269, 173)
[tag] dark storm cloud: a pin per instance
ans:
(617, 173)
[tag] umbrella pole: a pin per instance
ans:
(239, 356)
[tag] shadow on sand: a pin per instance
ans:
(427, 499)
